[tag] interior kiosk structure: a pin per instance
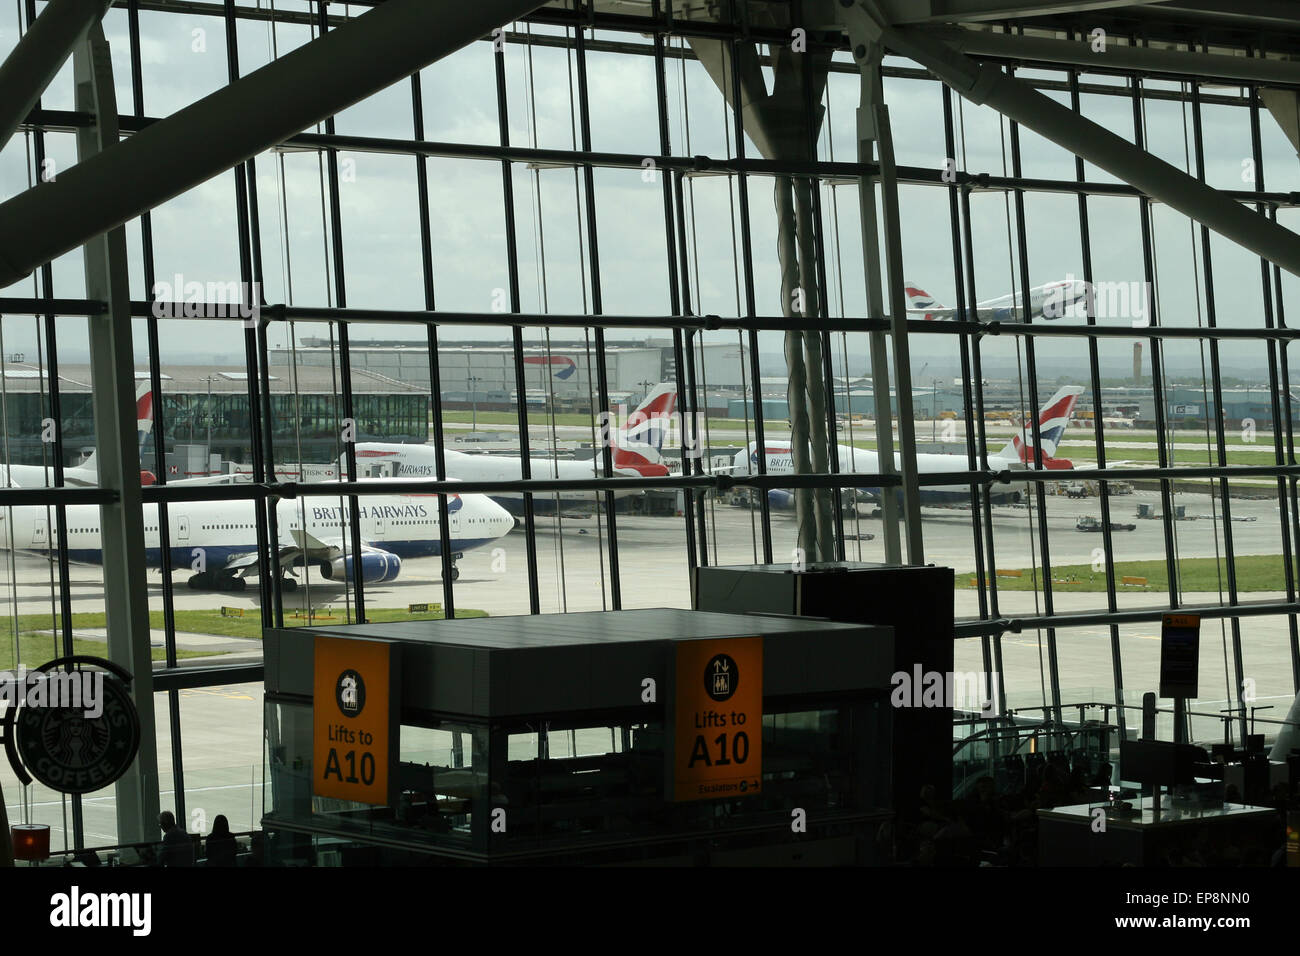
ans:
(646, 736)
(916, 602)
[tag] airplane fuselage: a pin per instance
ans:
(861, 461)
(404, 525)
(419, 461)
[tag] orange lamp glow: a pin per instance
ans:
(31, 841)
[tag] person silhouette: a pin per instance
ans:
(178, 849)
(221, 845)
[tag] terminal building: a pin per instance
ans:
(562, 374)
(206, 407)
(306, 382)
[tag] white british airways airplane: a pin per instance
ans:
(636, 452)
(1016, 454)
(1050, 301)
(218, 539)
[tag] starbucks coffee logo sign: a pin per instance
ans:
(69, 746)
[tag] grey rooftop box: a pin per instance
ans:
(558, 663)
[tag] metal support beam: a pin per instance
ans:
(1119, 56)
(1249, 15)
(898, 337)
(40, 54)
(779, 123)
(819, 437)
(950, 11)
(238, 121)
(796, 373)
(870, 97)
(874, 136)
(112, 369)
(1284, 107)
(984, 84)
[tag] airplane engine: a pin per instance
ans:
(377, 567)
(780, 499)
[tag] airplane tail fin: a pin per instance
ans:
(144, 422)
(1052, 421)
(648, 424)
(144, 410)
(632, 464)
(660, 402)
(918, 300)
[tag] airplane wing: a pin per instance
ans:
(240, 562)
(977, 314)
(313, 547)
(236, 478)
(305, 545)
(929, 314)
(1005, 314)
(308, 545)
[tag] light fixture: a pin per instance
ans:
(31, 841)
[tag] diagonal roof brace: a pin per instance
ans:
(40, 54)
(969, 11)
(985, 84)
(238, 121)
(1284, 106)
(1114, 55)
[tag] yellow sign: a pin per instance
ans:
(354, 709)
(718, 719)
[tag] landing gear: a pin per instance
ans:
(288, 584)
(455, 573)
(208, 581)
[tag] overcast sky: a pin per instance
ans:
(195, 234)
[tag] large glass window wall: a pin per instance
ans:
(482, 271)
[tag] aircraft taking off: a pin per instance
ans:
(636, 451)
(1048, 301)
(1016, 454)
(218, 539)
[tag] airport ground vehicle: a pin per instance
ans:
(1091, 523)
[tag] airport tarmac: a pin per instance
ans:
(223, 726)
